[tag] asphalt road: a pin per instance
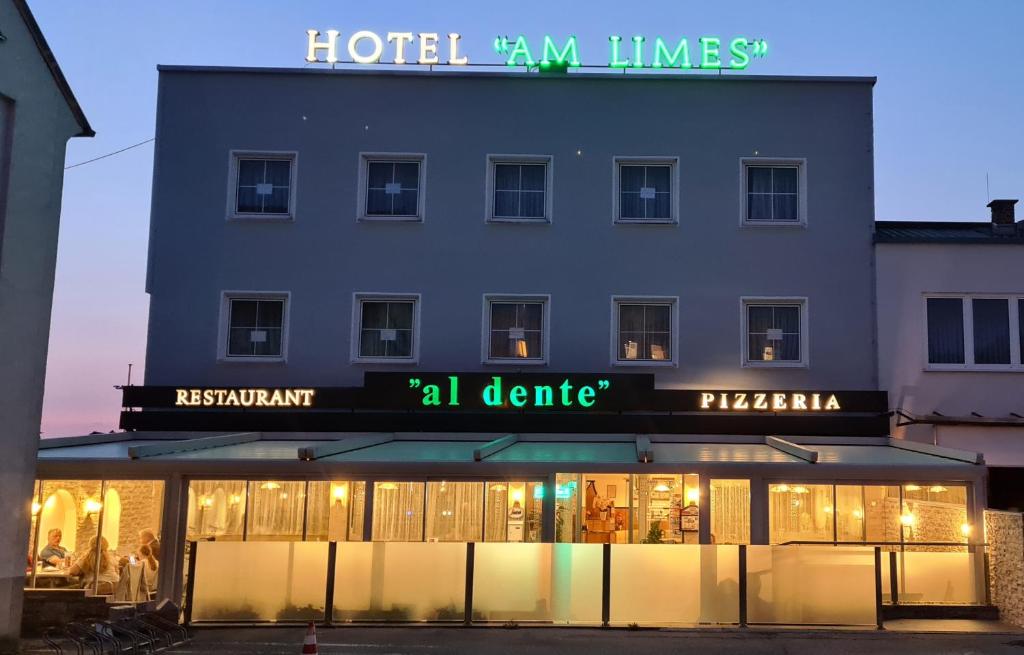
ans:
(538, 641)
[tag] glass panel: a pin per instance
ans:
(658, 177)
(408, 175)
(991, 331)
(275, 510)
(935, 513)
(269, 581)
(406, 203)
(400, 582)
(648, 583)
(378, 174)
(567, 518)
(533, 177)
(867, 513)
(455, 511)
(250, 172)
(132, 511)
(759, 207)
(784, 180)
(938, 577)
(506, 177)
(68, 522)
(506, 204)
(785, 207)
(811, 585)
(248, 201)
(278, 172)
(730, 511)
(243, 313)
(531, 204)
(398, 511)
(945, 331)
(378, 203)
(606, 509)
(1020, 328)
(759, 179)
(632, 179)
(513, 582)
(400, 315)
(658, 508)
(800, 512)
(216, 509)
(375, 314)
(276, 202)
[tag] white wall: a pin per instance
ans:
(905, 273)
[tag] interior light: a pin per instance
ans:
(907, 520)
(498, 487)
(781, 488)
(233, 500)
(937, 489)
(692, 496)
(206, 501)
(911, 487)
(387, 486)
(827, 509)
(339, 492)
(50, 502)
(284, 496)
(35, 508)
(858, 514)
(801, 490)
(661, 487)
(965, 529)
(92, 506)
(517, 495)
(270, 486)
(769, 354)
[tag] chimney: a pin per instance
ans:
(1003, 221)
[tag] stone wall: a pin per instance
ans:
(1004, 532)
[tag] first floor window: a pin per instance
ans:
(516, 329)
(773, 193)
(970, 332)
(263, 185)
(645, 192)
(255, 327)
(644, 331)
(774, 333)
(386, 328)
(392, 187)
(520, 191)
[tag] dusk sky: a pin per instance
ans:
(948, 107)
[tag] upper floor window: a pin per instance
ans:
(262, 185)
(519, 188)
(253, 326)
(644, 330)
(974, 332)
(516, 328)
(391, 186)
(775, 331)
(386, 327)
(646, 190)
(772, 191)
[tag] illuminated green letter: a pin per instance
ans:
(453, 391)
(569, 55)
(542, 396)
(679, 57)
(738, 50)
(586, 396)
(638, 52)
(431, 395)
(520, 49)
(566, 389)
(492, 392)
(614, 60)
(709, 52)
(517, 395)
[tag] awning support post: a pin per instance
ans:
(743, 584)
(467, 616)
(606, 584)
(190, 584)
(880, 624)
(332, 559)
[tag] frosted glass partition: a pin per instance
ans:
(937, 577)
(512, 582)
(663, 584)
(259, 581)
(576, 583)
(811, 585)
(400, 581)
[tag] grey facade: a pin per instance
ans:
(453, 257)
(38, 114)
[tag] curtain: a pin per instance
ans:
(991, 330)
(730, 511)
(398, 511)
(275, 510)
(945, 331)
(454, 511)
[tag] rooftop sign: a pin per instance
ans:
(433, 48)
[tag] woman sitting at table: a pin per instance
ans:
(150, 566)
(53, 554)
(106, 575)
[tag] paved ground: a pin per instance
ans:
(539, 641)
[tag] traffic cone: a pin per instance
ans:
(309, 643)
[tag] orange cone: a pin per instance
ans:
(309, 643)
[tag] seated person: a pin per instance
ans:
(53, 554)
(148, 538)
(150, 566)
(105, 575)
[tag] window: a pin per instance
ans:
(773, 191)
(391, 187)
(262, 185)
(515, 328)
(644, 331)
(775, 332)
(386, 328)
(646, 190)
(253, 326)
(519, 188)
(977, 333)
(398, 511)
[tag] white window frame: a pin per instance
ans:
(365, 159)
(547, 160)
(1013, 299)
(672, 301)
(234, 156)
(545, 337)
(224, 326)
(800, 164)
(805, 331)
(673, 162)
(358, 298)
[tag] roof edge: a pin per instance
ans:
(55, 71)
